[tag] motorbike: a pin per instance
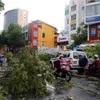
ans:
(95, 74)
(63, 72)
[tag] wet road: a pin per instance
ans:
(83, 90)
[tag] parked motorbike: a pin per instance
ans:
(95, 74)
(63, 72)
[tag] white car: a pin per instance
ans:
(76, 60)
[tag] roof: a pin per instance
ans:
(39, 21)
(13, 10)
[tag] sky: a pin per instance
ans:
(49, 11)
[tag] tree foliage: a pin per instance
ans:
(29, 74)
(3, 38)
(92, 50)
(12, 37)
(81, 35)
(1, 5)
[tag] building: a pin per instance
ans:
(92, 19)
(62, 41)
(42, 35)
(25, 32)
(16, 16)
(74, 15)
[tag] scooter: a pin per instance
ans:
(64, 73)
(95, 74)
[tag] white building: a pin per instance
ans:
(74, 15)
(92, 19)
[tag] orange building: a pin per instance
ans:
(41, 34)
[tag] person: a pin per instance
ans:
(95, 66)
(60, 63)
(57, 63)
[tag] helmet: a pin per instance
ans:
(96, 56)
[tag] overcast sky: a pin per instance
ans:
(50, 11)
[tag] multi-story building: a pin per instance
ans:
(92, 19)
(41, 34)
(16, 16)
(74, 15)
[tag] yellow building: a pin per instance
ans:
(47, 35)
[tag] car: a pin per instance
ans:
(77, 59)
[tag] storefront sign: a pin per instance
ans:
(93, 41)
(93, 19)
(62, 39)
(73, 22)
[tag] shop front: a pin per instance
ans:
(94, 33)
(62, 42)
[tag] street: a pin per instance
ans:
(84, 89)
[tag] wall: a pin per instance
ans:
(92, 19)
(49, 35)
(34, 35)
(76, 7)
(22, 17)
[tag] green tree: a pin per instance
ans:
(1, 5)
(92, 50)
(3, 38)
(14, 37)
(81, 35)
(29, 75)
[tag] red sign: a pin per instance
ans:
(93, 41)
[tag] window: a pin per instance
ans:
(90, 10)
(97, 0)
(35, 33)
(42, 43)
(77, 55)
(73, 8)
(35, 26)
(67, 54)
(98, 8)
(73, 26)
(93, 10)
(26, 34)
(43, 35)
(35, 42)
(73, 17)
(67, 21)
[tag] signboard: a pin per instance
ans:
(73, 22)
(93, 41)
(67, 12)
(62, 38)
(93, 19)
(93, 31)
